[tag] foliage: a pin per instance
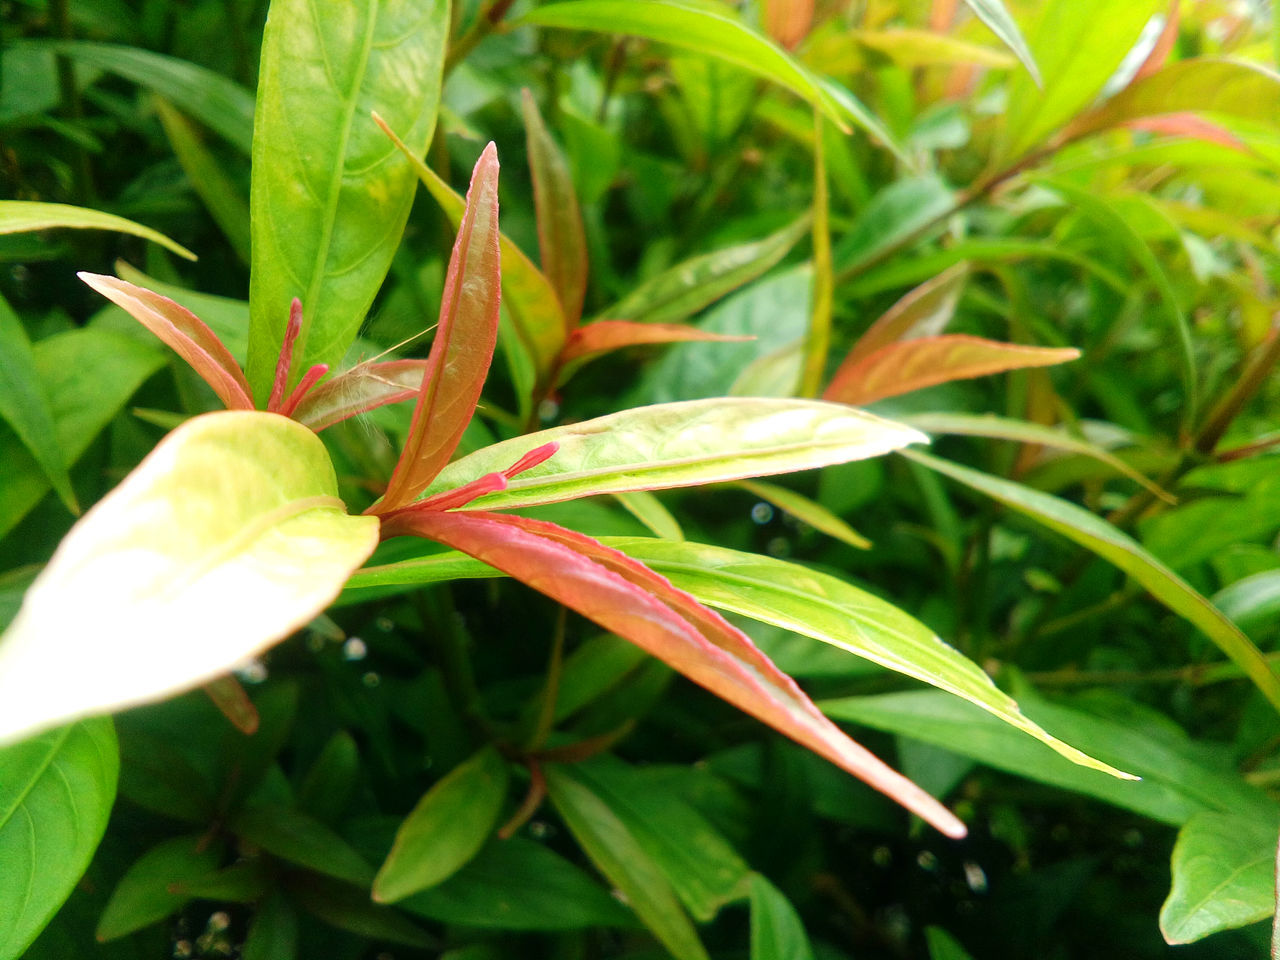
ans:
(279, 670)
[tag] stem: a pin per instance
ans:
(485, 23)
(547, 708)
(818, 342)
(71, 103)
(449, 649)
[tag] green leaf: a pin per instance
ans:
(678, 293)
(894, 215)
(678, 444)
(445, 830)
(943, 946)
(911, 48)
(924, 312)
(821, 606)
(330, 196)
(806, 511)
(1078, 44)
(708, 30)
(142, 897)
(613, 848)
(219, 103)
(518, 884)
(300, 839)
(88, 375)
(273, 935)
(224, 201)
(997, 17)
(1251, 602)
(25, 216)
(1224, 875)
(776, 930)
(648, 509)
(55, 797)
(1176, 782)
(1099, 537)
(329, 784)
(225, 539)
(25, 407)
(349, 908)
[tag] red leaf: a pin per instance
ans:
(916, 364)
(463, 347)
(1189, 125)
(183, 331)
(602, 336)
(1164, 44)
(358, 390)
(788, 21)
(626, 597)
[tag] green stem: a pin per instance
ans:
(818, 341)
(70, 95)
(485, 23)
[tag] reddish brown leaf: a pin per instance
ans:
(602, 336)
(231, 700)
(463, 347)
(1192, 126)
(626, 597)
(358, 390)
(924, 312)
(184, 332)
(1164, 44)
(788, 21)
(916, 364)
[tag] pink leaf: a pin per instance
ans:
(362, 388)
(184, 332)
(463, 347)
(626, 597)
(602, 336)
(1191, 126)
(915, 364)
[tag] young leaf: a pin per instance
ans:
(622, 860)
(1099, 537)
(360, 389)
(562, 240)
(777, 933)
(25, 407)
(25, 216)
(225, 539)
(924, 312)
(1223, 875)
(329, 196)
(648, 509)
(915, 364)
(446, 829)
(463, 346)
(628, 598)
(598, 338)
(183, 331)
(55, 797)
(678, 444)
(996, 16)
(143, 897)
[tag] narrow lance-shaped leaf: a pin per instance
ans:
(26, 216)
(603, 336)
(527, 294)
(330, 196)
(788, 21)
(360, 389)
(463, 346)
(628, 598)
(182, 330)
(1114, 546)
(915, 364)
(996, 16)
(807, 511)
(679, 444)
(924, 312)
(25, 407)
(226, 538)
(562, 241)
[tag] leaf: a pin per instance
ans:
(349, 908)
(446, 829)
(463, 347)
(221, 104)
(1224, 876)
(706, 30)
(924, 312)
(364, 387)
(892, 217)
(562, 240)
(1120, 550)
(648, 509)
(678, 293)
(1176, 782)
(300, 839)
(88, 375)
(25, 407)
(224, 201)
(776, 930)
(1076, 59)
(234, 506)
(618, 855)
(527, 294)
(788, 21)
(228, 318)
(997, 17)
(518, 884)
(817, 605)
(627, 598)
(1252, 602)
(806, 511)
(678, 444)
(915, 364)
(330, 196)
(273, 935)
(26, 216)
(332, 779)
(143, 897)
(55, 798)
(184, 332)
(1021, 431)
(943, 946)
(924, 48)
(594, 339)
